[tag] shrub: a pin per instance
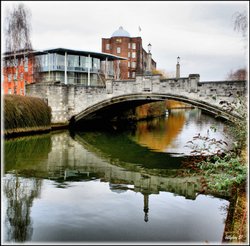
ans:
(25, 112)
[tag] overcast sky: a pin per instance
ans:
(201, 33)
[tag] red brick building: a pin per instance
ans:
(123, 45)
(17, 71)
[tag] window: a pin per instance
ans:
(118, 40)
(15, 77)
(60, 60)
(84, 62)
(26, 64)
(118, 50)
(133, 64)
(21, 76)
(15, 62)
(128, 54)
(107, 46)
(128, 74)
(133, 74)
(133, 54)
(21, 61)
(9, 77)
(9, 91)
(133, 46)
(96, 63)
(73, 61)
(129, 45)
(128, 64)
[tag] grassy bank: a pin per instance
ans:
(24, 114)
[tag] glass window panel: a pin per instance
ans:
(73, 61)
(60, 60)
(96, 63)
(83, 61)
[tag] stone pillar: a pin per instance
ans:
(193, 82)
(106, 68)
(109, 86)
(65, 69)
(149, 70)
(178, 68)
(89, 62)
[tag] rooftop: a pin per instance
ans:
(101, 56)
(120, 33)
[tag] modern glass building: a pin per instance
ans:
(56, 65)
(75, 67)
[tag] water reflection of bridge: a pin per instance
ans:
(64, 159)
(77, 160)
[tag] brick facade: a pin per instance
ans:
(130, 48)
(16, 73)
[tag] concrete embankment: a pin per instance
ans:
(24, 115)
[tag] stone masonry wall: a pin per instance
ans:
(69, 100)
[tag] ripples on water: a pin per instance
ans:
(109, 187)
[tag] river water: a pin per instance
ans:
(110, 187)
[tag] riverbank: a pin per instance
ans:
(236, 222)
(236, 226)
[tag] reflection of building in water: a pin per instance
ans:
(172, 104)
(146, 208)
(20, 193)
(162, 137)
(71, 160)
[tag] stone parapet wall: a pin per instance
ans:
(67, 101)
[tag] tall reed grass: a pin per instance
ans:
(23, 114)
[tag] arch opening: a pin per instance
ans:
(103, 112)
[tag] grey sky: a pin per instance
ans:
(201, 33)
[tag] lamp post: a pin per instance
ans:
(149, 48)
(178, 68)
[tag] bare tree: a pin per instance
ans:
(241, 23)
(17, 29)
(239, 74)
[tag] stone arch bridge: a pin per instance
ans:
(74, 103)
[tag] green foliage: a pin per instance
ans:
(237, 126)
(25, 112)
(223, 173)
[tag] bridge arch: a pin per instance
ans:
(143, 98)
(71, 103)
